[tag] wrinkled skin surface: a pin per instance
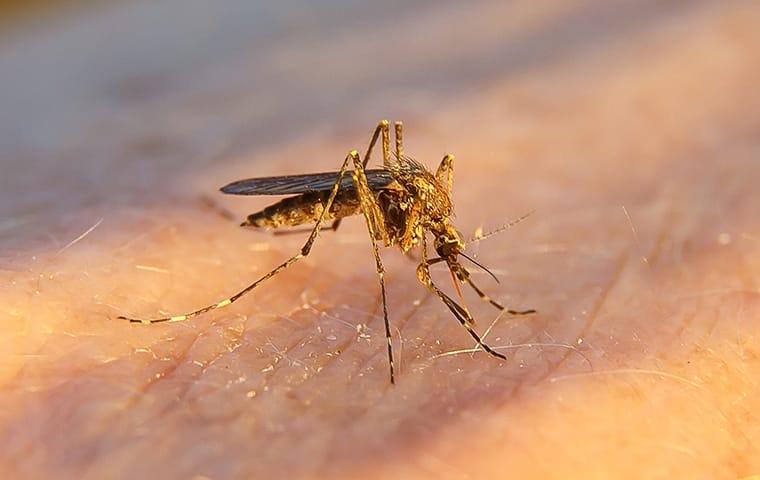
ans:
(632, 129)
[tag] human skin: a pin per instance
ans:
(635, 143)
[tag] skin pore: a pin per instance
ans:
(634, 137)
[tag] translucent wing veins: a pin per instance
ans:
(314, 182)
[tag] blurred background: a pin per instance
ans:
(110, 94)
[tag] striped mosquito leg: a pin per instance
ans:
(488, 299)
(388, 338)
(462, 315)
(304, 252)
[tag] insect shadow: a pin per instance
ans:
(401, 202)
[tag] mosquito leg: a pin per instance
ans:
(445, 172)
(381, 276)
(399, 127)
(457, 310)
(375, 226)
(386, 145)
(382, 128)
(294, 231)
(488, 299)
(461, 314)
(425, 265)
(354, 155)
(482, 294)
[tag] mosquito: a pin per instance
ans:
(401, 203)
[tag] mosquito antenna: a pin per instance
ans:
(482, 267)
(511, 224)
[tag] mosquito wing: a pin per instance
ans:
(314, 182)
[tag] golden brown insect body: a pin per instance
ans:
(414, 202)
(401, 203)
(304, 208)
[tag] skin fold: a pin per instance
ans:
(631, 130)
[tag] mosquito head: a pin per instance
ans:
(448, 242)
(449, 246)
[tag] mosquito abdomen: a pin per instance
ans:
(302, 209)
